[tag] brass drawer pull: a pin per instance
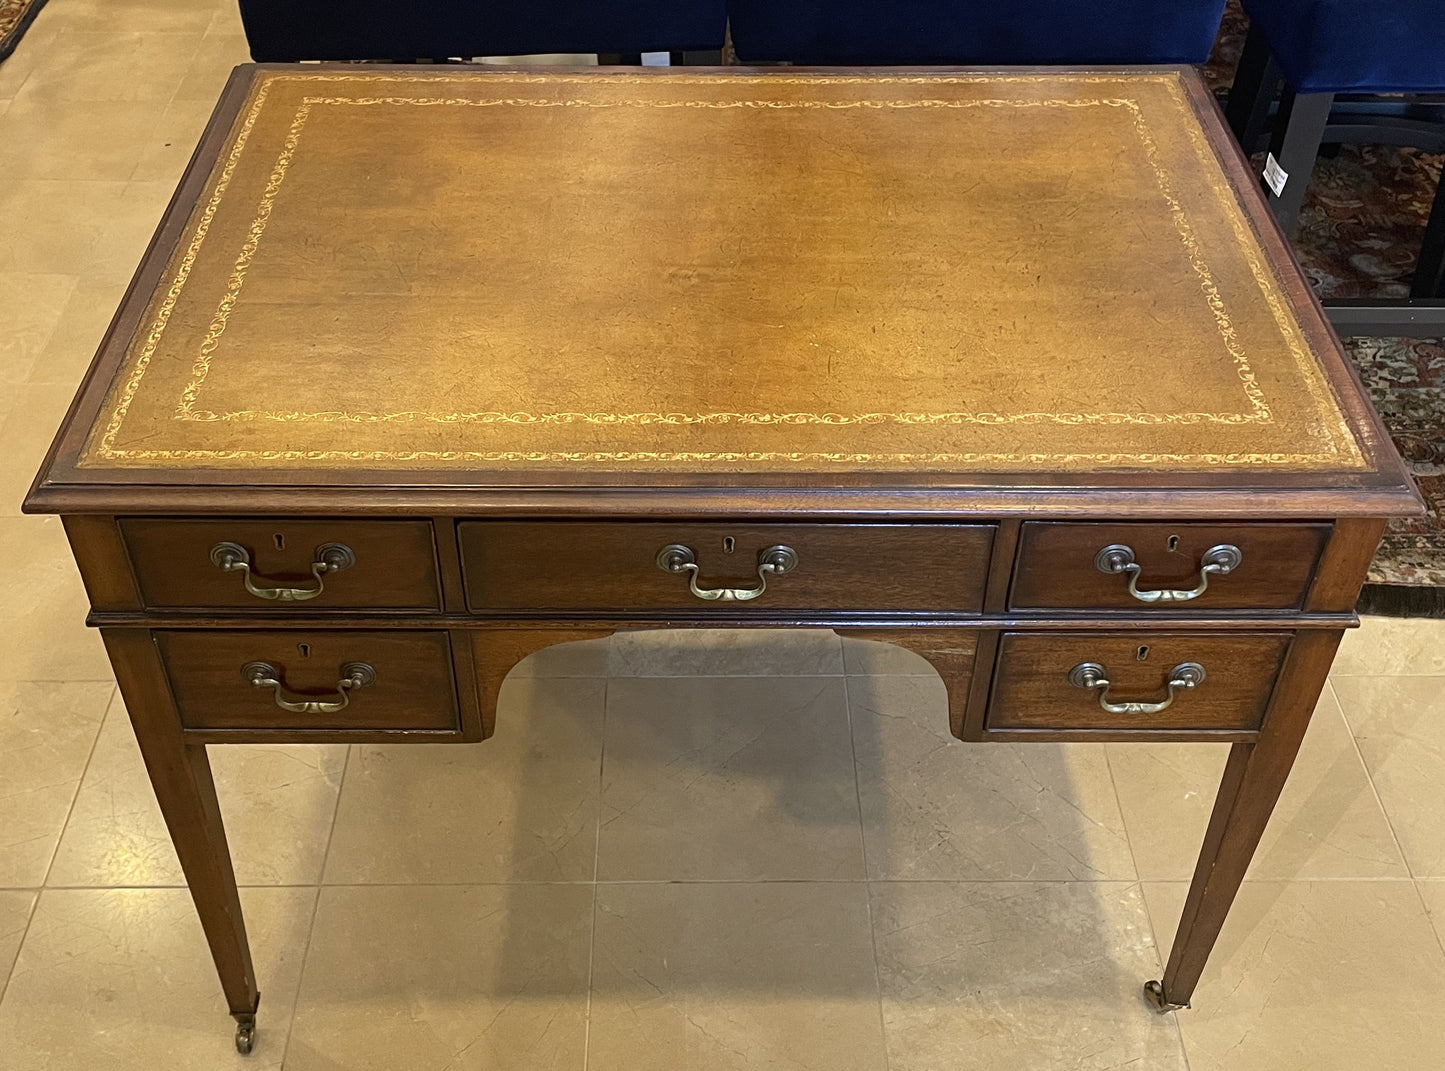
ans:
(1118, 558)
(772, 561)
(330, 558)
(354, 675)
(1091, 676)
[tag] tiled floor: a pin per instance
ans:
(783, 862)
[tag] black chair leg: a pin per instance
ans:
(1299, 127)
(1256, 84)
(1429, 281)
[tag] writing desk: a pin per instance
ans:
(428, 369)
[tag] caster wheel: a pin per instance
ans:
(245, 1037)
(1154, 994)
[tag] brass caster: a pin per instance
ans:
(245, 1034)
(1154, 994)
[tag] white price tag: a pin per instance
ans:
(1274, 176)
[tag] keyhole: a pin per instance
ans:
(729, 544)
(280, 541)
(1173, 543)
(1143, 652)
(304, 649)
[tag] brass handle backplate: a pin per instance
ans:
(329, 558)
(1217, 561)
(1094, 677)
(354, 675)
(772, 561)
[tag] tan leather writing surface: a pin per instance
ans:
(729, 272)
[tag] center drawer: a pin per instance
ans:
(723, 568)
(306, 680)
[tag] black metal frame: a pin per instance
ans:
(1298, 126)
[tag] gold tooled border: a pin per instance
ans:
(1123, 460)
(1261, 413)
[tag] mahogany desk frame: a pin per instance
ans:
(964, 647)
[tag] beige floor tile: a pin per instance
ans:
(135, 16)
(121, 979)
(31, 307)
(728, 778)
(1329, 976)
(46, 736)
(1432, 891)
(76, 337)
(15, 906)
(726, 653)
(1327, 824)
(211, 65)
(147, 201)
(521, 806)
(1018, 975)
(31, 54)
(936, 807)
(226, 20)
(84, 65)
(445, 978)
(721, 976)
(25, 437)
(50, 138)
(1399, 723)
(872, 658)
(177, 132)
(277, 802)
(75, 227)
(43, 607)
(582, 658)
(1390, 645)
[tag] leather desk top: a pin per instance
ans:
(736, 277)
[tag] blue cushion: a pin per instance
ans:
(1360, 46)
(947, 31)
(288, 30)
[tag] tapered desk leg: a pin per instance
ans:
(181, 776)
(1253, 778)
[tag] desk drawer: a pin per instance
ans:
(1039, 684)
(583, 566)
(1060, 566)
(240, 679)
(384, 565)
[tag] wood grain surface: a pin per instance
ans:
(1031, 687)
(395, 565)
(414, 687)
(573, 566)
(1056, 566)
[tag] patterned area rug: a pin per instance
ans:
(1359, 236)
(15, 18)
